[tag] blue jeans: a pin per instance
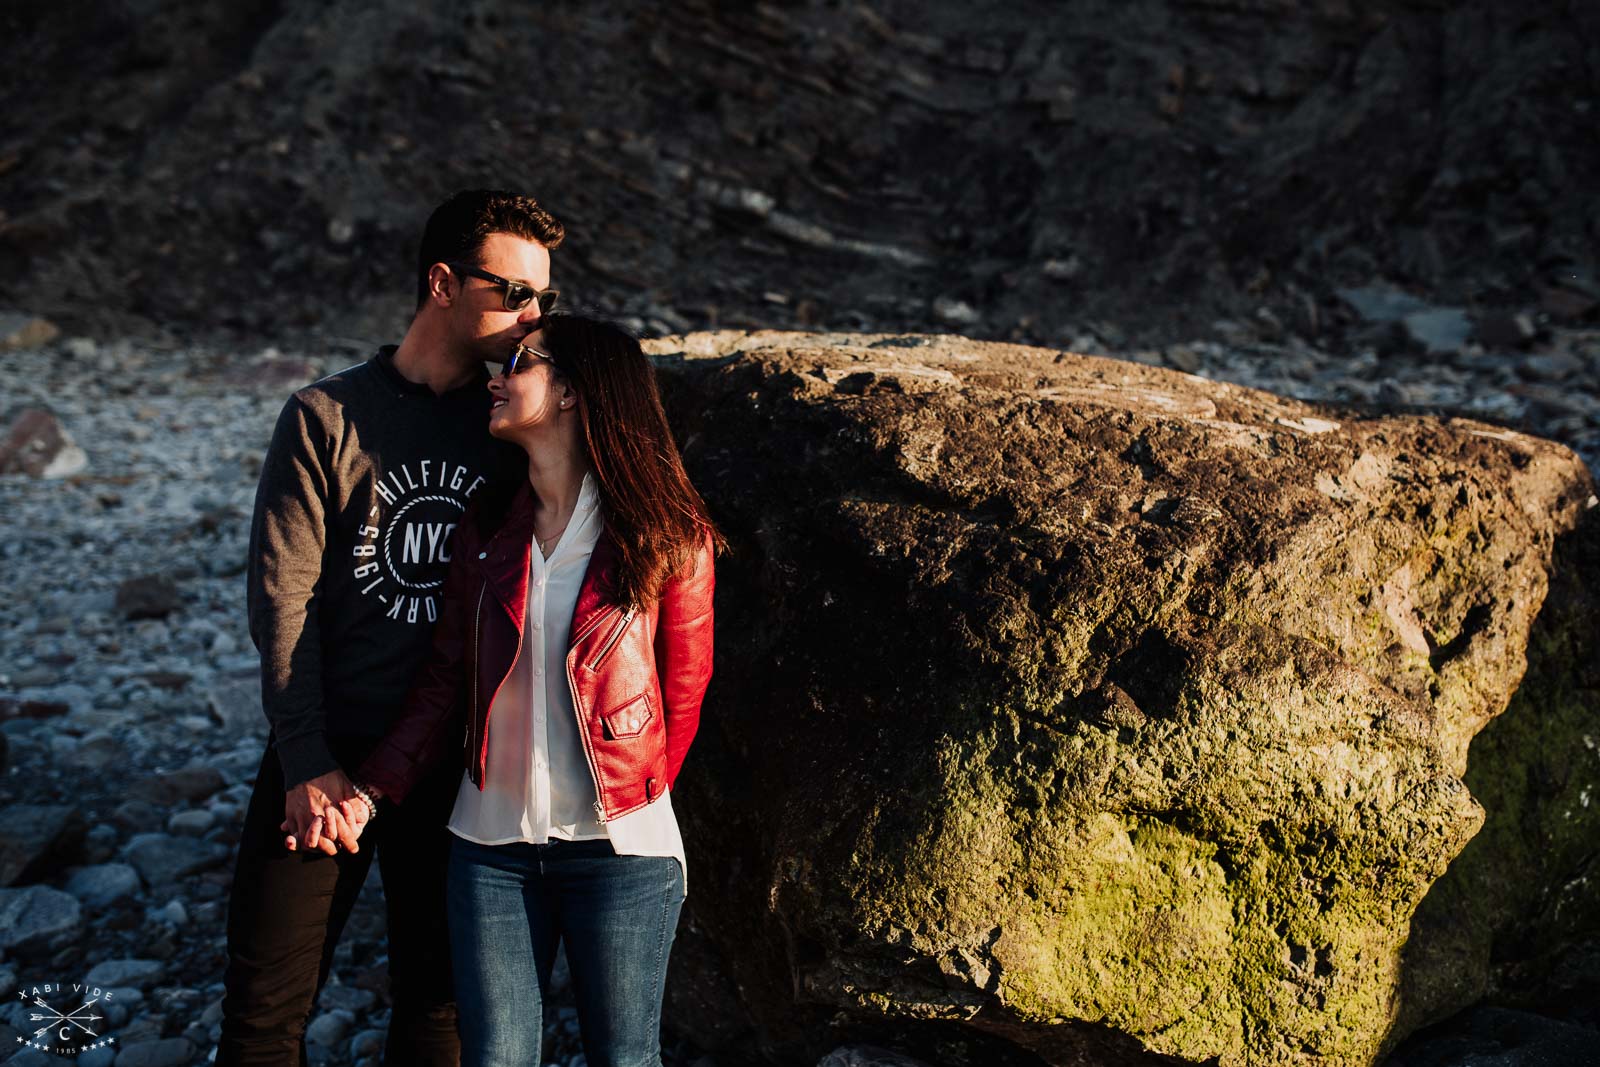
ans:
(509, 905)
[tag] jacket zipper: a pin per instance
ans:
(611, 642)
(472, 712)
(588, 747)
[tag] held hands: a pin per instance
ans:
(324, 813)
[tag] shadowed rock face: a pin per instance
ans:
(1028, 166)
(1107, 710)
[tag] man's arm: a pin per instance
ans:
(288, 538)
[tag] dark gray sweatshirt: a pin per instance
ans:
(363, 485)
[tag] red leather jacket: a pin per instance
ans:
(637, 676)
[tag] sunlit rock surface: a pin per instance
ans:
(1112, 712)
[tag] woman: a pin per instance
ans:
(576, 637)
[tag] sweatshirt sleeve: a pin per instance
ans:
(288, 536)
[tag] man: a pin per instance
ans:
(367, 475)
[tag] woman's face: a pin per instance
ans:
(533, 396)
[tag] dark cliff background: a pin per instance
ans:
(1137, 169)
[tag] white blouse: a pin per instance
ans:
(537, 782)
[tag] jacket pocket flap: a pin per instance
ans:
(630, 719)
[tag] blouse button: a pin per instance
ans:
(483, 555)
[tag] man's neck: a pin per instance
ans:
(427, 360)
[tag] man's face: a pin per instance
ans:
(479, 317)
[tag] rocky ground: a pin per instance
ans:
(1372, 205)
(128, 710)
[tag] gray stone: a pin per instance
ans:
(149, 596)
(366, 1043)
(1499, 1037)
(162, 860)
(33, 915)
(133, 973)
(1184, 358)
(36, 840)
(347, 998)
(188, 785)
(1551, 366)
(192, 823)
(104, 1056)
(32, 1057)
(97, 751)
(956, 312)
(45, 702)
(169, 1052)
(1089, 738)
(1381, 303)
(35, 677)
(1438, 331)
(104, 883)
(19, 330)
(37, 444)
(867, 1056)
(136, 815)
(1506, 330)
(330, 1028)
(173, 913)
(100, 843)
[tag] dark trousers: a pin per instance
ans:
(287, 910)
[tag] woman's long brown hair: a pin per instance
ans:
(652, 512)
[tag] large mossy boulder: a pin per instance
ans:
(1113, 714)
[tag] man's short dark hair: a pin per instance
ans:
(458, 227)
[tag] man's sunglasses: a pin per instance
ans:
(522, 357)
(518, 295)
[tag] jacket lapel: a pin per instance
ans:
(507, 556)
(594, 596)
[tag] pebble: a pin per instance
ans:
(136, 815)
(366, 1043)
(330, 1028)
(867, 1056)
(1381, 304)
(104, 1056)
(169, 1052)
(36, 839)
(162, 860)
(956, 312)
(33, 915)
(192, 823)
(1551, 366)
(38, 445)
(189, 785)
(134, 973)
(103, 884)
(347, 998)
(96, 752)
(19, 330)
(150, 596)
(1438, 331)
(121, 1005)
(173, 913)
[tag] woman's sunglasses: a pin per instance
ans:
(518, 295)
(522, 357)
